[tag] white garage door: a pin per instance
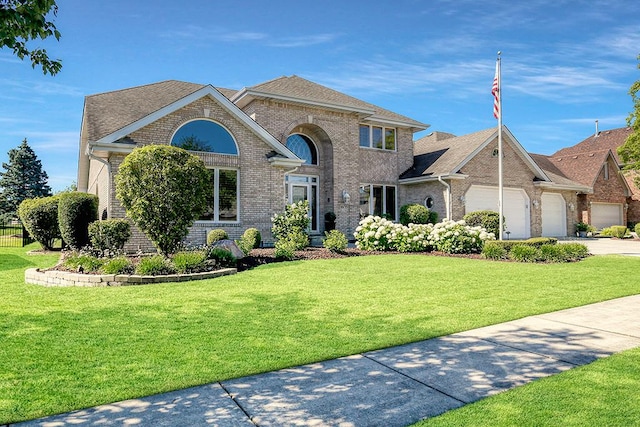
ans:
(516, 207)
(606, 214)
(554, 215)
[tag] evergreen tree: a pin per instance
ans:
(23, 179)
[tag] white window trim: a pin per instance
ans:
(384, 131)
(384, 197)
(216, 197)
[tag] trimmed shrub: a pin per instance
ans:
(552, 253)
(575, 251)
(251, 239)
(189, 261)
(40, 218)
(75, 212)
(110, 235)
(493, 250)
(414, 214)
(83, 262)
(154, 266)
(285, 249)
(117, 265)
(163, 190)
(540, 241)
(637, 229)
(489, 220)
(335, 241)
(524, 253)
(221, 257)
(216, 235)
(619, 231)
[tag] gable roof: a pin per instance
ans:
(605, 140)
(557, 176)
(111, 116)
(445, 157)
(297, 90)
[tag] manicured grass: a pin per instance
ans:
(68, 348)
(604, 393)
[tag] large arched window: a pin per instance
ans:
(205, 135)
(303, 147)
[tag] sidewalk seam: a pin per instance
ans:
(237, 403)
(586, 327)
(415, 379)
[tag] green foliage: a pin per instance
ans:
(619, 231)
(539, 241)
(117, 265)
(189, 261)
(630, 151)
(110, 235)
(416, 214)
(155, 265)
(222, 257)
(40, 218)
(24, 178)
(552, 253)
(84, 262)
(637, 229)
(582, 226)
(524, 253)
(456, 237)
(163, 189)
(251, 239)
(295, 219)
(22, 21)
(493, 250)
(489, 220)
(216, 235)
(335, 241)
(285, 249)
(75, 212)
(575, 251)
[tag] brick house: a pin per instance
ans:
(456, 175)
(613, 198)
(285, 140)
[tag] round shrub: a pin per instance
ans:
(637, 229)
(40, 218)
(109, 235)
(252, 236)
(489, 220)
(414, 214)
(335, 241)
(216, 235)
(163, 189)
(75, 212)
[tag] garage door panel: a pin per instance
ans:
(554, 215)
(516, 207)
(606, 214)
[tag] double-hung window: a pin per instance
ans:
(378, 137)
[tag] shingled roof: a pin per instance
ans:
(295, 89)
(605, 140)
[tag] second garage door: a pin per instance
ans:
(516, 207)
(606, 214)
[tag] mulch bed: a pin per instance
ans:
(263, 256)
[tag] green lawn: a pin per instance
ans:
(68, 348)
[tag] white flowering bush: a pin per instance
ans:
(378, 234)
(456, 237)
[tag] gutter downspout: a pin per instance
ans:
(447, 200)
(108, 165)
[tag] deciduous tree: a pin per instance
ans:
(630, 151)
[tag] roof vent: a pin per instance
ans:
(597, 132)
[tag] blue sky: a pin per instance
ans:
(564, 63)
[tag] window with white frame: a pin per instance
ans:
(378, 200)
(378, 137)
(222, 200)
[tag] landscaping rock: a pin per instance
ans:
(230, 246)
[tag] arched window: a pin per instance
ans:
(303, 147)
(205, 135)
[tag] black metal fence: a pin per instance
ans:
(14, 235)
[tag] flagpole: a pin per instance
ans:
(500, 183)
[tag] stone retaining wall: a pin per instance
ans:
(63, 278)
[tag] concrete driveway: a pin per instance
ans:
(605, 246)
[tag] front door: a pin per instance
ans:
(304, 187)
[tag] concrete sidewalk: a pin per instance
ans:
(608, 246)
(392, 387)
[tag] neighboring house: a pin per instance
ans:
(456, 175)
(613, 198)
(282, 141)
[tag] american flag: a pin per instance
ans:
(495, 91)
